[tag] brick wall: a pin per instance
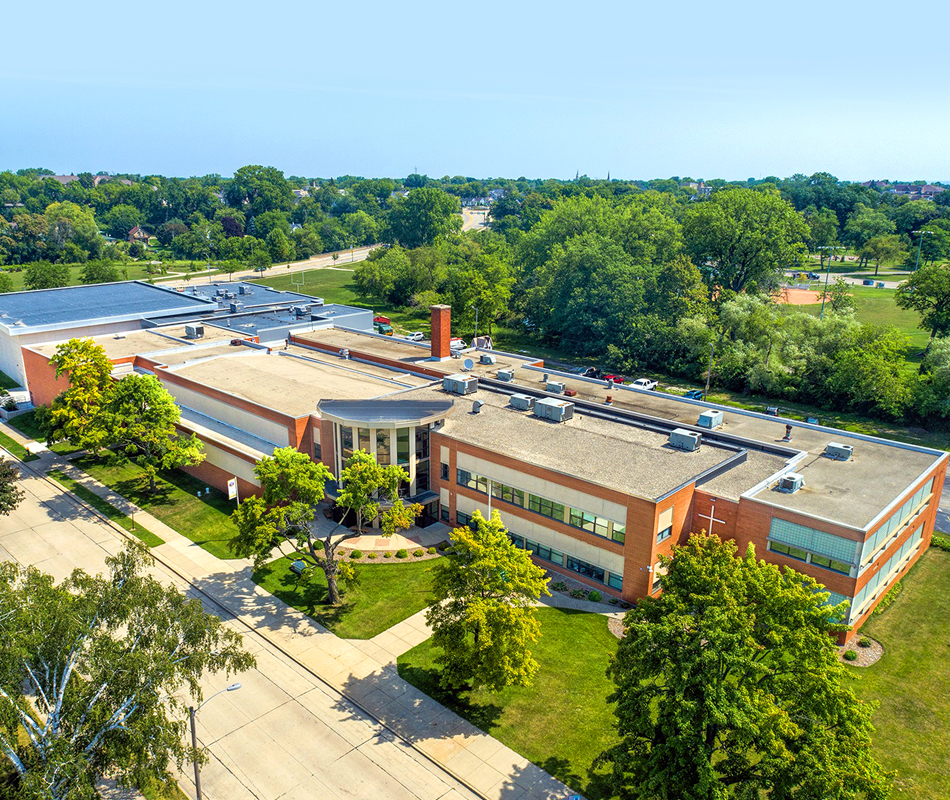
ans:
(41, 378)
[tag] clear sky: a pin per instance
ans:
(539, 89)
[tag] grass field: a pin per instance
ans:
(28, 426)
(16, 448)
(910, 682)
(385, 595)
(562, 721)
(132, 270)
(205, 520)
(106, 509)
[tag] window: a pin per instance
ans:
(508, 494)
(614, 581)
(382, 446)
(402, 446)
(422, 476)
(814, 541)
(444, 513)
(546, 507)
(517, 541)
(665, 534)
(830, 563)
(364, 443)
(464, 519)
(585, 569)
(619, 533)
(346, 443)
(472, 481)
(422, 441)
(444, 471)
(317, 453)
(788, 550)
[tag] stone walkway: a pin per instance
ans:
(364, 672)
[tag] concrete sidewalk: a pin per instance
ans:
(363, 672)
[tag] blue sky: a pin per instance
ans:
(728, 89)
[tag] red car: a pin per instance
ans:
(614, 378)
(382, 320)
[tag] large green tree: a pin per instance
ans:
(94, 672)
(75, 415)
(482, 613)
(256, 189)
(888, 249)
(927, 292)
(729, 686)
(424, 216)
(139, 417)
(43, 275)
(741, 237)
(293, 488)
(10, 494)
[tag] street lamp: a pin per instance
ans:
(824, 294)
(476, 321)
(919, 243)
(194, 738)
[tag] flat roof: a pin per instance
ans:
(98, 303)
(392, 347)
(292, 381)
(146, 341)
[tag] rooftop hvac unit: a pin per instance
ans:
(554, 410)
(242, 289)
(460, 384)
(557, 387)
(838, 451)
(710, 419)
(236, 308)
(791, 483)
(683, 439)
(507, 375)
(487, 358)
(194, 331)
(301, 311)
(523, 402)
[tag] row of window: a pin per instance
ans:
(541, 505)
(546, 553)
(879, 540)
(361, 439)
(894, 564)
(810, 558)
(828, 547)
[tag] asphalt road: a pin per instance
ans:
(942, 523)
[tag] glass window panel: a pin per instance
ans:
(665, 534)
(364, 440)
(422, 476)
(346, 443)
(444, 471)
(383, 446)
(402, 446)
(614, 581)
(422, 441)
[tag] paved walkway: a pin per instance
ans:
(361, 674)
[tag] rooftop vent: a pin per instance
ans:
(710, 419)
(557, 387)
(460, 384)
(487, 358)
(838, 451)
(344, 353)
(683, 439)
(301, 311)
(242, 289)
(194, 331)
(236, 308)
(554, 410)
(791, 483)
(506, 375)
(523, 402)
(477, 406)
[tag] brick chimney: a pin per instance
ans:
(441, 332)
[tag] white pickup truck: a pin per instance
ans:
(644, 383)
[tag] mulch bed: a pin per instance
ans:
(381, 559)
(866, 655)
(615, 626)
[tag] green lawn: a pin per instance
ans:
(384, 595)
(911, 681)
(6, 382)
(16, 448)
(204, 520)
(28, 426)
(106, 509)
(561, 722)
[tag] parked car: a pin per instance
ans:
(645, 383)
(382, 320)
(694, 394)
(867, 282)
(383, 328)
(814, 276)
(591, 372)
(614, 378)
(415, 336)
(772, 411)
(457, 344)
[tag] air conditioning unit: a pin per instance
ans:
(460, 384)
(557, 387)
(506, 375)
(194, 331)
(523, 402)
(683, 439)
(710, 419)
(242, 289)
(487, 358)
(554, 410)
(236, 308)
(791, 483)
(838, 451)
(301, 311)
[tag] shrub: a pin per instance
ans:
(889, 598)
(559, 586)
(431, 551)
(10, 404)
(580, 594)
(941, 542)
(341, 552)
(356, 554)
(318, 545)
(418, 553)
(444, 545)
(864, 641)
(594, 596)
(402, 553)
(387, 554)
(371, 554)
(613, 601)
(851, 655)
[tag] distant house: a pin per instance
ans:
(138, 235)
(698, 188)
(106, 178)
(918, 191)
(300, 193)
(65, 180)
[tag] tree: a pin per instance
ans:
(260, 260)
(139, 418)
(94, 672)
(69, 222)
(823, 233)
(256, 189)
(279, 245)
(927, 292)
(99, 272)
(482, 614)
(888, 249)
(744, 236)
(120, 219)
(294, 486)
(75, 414)
(43, 275)
(864, 224)
(424, 216)
(10, 494)
(6, 283)
(839, 295)
(729, 685)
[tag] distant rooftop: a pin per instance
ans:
(50, 309)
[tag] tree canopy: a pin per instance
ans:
(729, 686)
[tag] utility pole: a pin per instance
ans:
(712, 348)
(919, 243)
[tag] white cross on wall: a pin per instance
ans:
(710, 518)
